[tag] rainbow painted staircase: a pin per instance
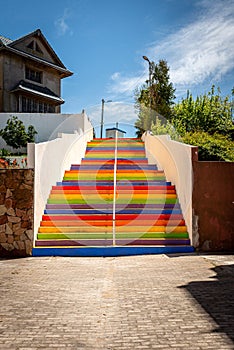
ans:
(78, 219)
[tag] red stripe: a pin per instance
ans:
(106, 188)
(109, 217)
(77, 223)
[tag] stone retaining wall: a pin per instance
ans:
(16, 212)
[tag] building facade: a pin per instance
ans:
(111, 133)
(30, 75)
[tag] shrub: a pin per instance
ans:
(211, 147)
(15, 134)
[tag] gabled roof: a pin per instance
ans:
(113, 129)
(38, 33)
(13, 46)
(5, 41)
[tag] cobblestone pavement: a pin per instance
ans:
(124, 303)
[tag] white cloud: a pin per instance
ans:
(204, 49)
(125, 85)
(113, 112)
(62, 25)
(115, 76)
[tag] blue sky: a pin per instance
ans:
(102, 42)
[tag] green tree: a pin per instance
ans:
(154, 99)
(164, 127)
(210, 113)
(206, 122)
(15, 134)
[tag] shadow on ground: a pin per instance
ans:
(217, 298)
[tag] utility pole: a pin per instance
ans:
(151, 71)
(102, 116)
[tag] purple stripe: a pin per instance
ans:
(110, 206)
(108, 242)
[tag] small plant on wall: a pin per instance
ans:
(15, 134)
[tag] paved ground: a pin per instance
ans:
(126, 303)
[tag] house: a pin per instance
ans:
(30, 75)
(111, 132)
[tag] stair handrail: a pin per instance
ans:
(114, 190)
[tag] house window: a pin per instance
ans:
(40, 107)
(51, 109)
(33, 75)
(31, 105)
(24, 104)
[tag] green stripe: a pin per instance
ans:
(110, 236)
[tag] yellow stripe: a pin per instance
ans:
(103, 229)
(110, 196)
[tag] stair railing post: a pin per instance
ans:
(114, 191)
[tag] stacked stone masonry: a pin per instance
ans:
(16, 212)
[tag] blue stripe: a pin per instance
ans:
(110, 183)
(110, 251)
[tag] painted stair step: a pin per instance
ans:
(120, 177)
(111, 151)
(101, 214)
(100, 174)
(103, 251)
(129, 140)
(111, 167)
(118, 206)
(102, 156)
(119, 171)
(106, 242)
(119, 145)
(121, 155)
(92, 229)
(111, 154)
(108, 216)
(108, 174)
(128, 235)
(110, 161)
(102, 191)
(111, 188)
(124, 148)
(124, 211)
(95, 201)
(127, 173)
(110, 183)
(109, 195)
(61, 222)
(121, 198)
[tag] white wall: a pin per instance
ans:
(50, 159)
(47, 125)
(175, 159)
